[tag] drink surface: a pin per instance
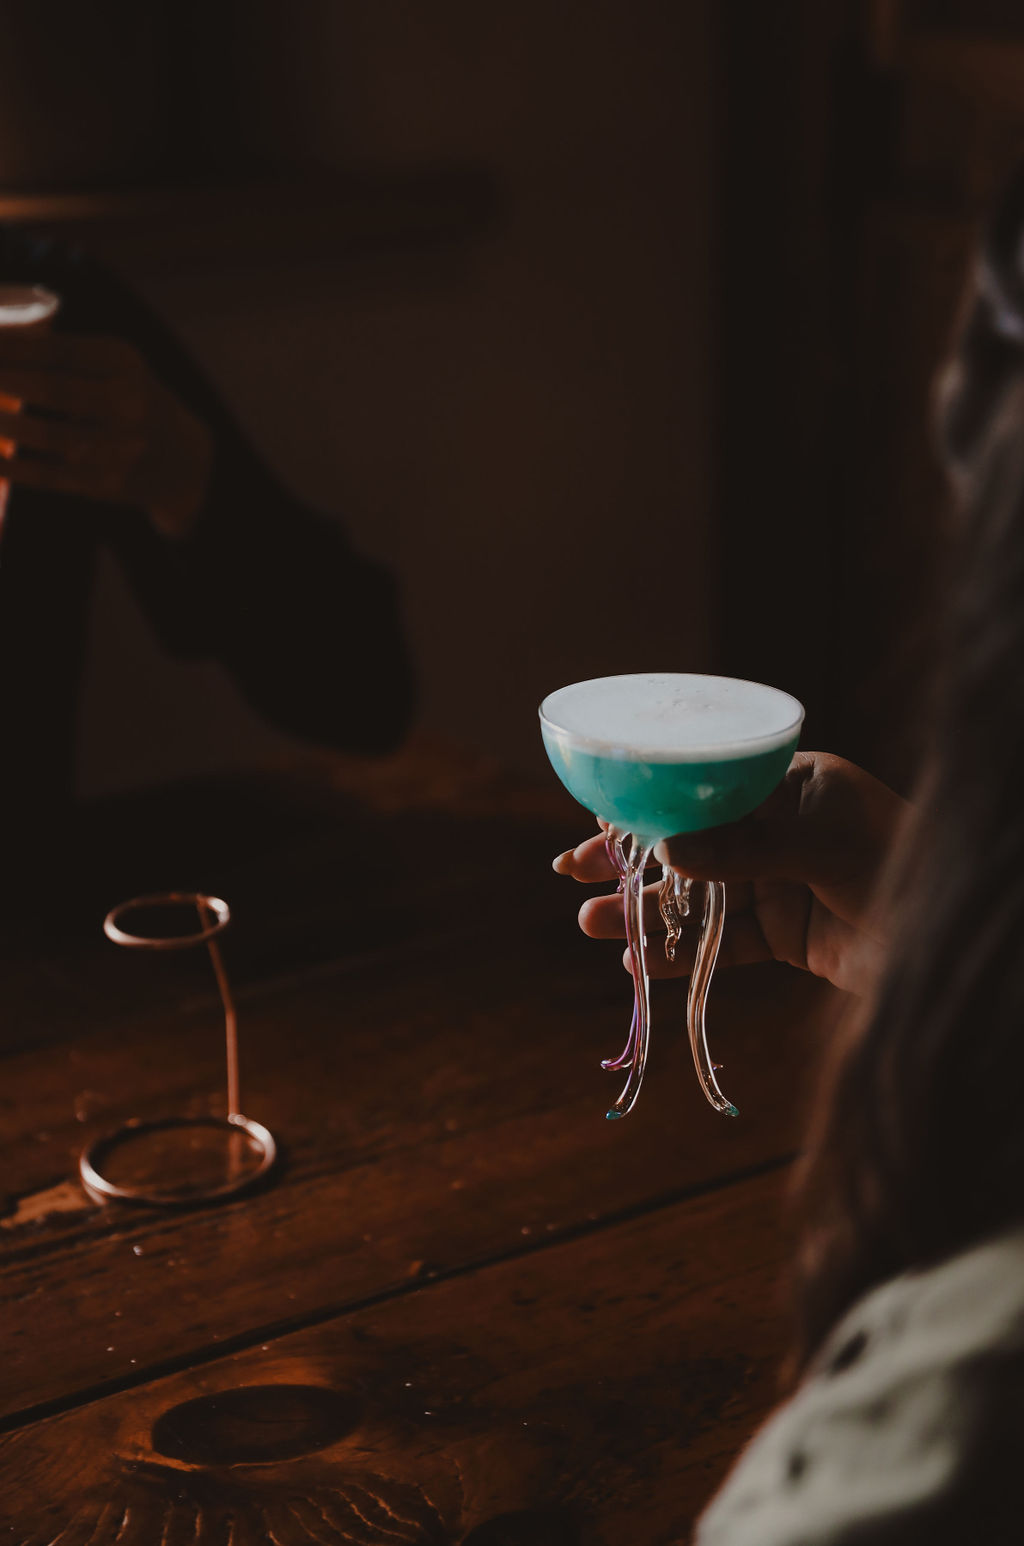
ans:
(660, 753)
(26, 305)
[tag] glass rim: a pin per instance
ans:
(737, 746)
(154, 901)
(26, 304)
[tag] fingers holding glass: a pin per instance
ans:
(656, 755)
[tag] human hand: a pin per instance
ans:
(801, 874)
(95, 422)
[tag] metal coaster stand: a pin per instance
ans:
(214, 917)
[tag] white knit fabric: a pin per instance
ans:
(910, 1420)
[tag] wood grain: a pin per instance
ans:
(348, 861)
(591, 1392)
(467, 1308)
(430, 1119)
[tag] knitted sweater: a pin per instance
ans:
(909, 1427)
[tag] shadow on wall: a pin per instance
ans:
(517, 422)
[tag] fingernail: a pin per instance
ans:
(559, 862)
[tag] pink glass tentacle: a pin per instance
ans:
(696, 1002)
(615, 847)
(674, 906)
(614, 842)
(639, 854)
(625, 1057)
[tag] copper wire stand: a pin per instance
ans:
(214, 917)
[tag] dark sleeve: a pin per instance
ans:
(310, 629)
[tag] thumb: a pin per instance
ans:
(745, 850)
(786, 838)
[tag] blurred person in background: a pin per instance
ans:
(122, 441)
(906, 1425)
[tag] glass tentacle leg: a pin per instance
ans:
(639, 854)
(696, 1003)
(615, 843)
(674, 906)
(625, 1057)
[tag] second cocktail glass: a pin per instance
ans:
(27, 308)
(653, 755)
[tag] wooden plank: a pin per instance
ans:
(343, 859)
(588, 1393)
(433, 1115)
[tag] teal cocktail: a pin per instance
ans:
(656, 754)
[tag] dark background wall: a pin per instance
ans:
(512, 408)
(610, 327)
(858, 148)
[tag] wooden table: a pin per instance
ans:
(467, 1308)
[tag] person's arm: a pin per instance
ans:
(310, 630)
(225, 562)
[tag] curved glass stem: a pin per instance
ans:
(674, 906)
(614, 842)
(633, 887)
(615, 845)
(625, 1057)
(696, 1002)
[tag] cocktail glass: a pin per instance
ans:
(27, 308)
(653, 755)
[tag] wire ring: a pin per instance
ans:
(196, 899)
(100, 1189)
(90, 1164)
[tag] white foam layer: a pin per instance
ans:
(24, 305)
(673, 716)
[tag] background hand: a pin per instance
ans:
(96, 423)
(801, 875)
